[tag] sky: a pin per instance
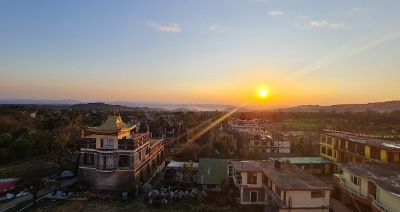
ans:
(212, 51)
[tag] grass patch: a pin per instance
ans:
(27, 169)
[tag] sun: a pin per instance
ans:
(263, 93)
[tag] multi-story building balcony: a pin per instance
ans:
(115, 147)
(346, 148)
(280, 187)
(376, 186)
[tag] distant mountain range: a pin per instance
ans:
(39, 101)
(117, 105)
(376, 106)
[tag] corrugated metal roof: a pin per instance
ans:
(212, 171)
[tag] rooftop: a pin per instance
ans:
(212, 171)
(386, 176)
(112, 124)
(155, 140)
(177, 164)
(297, 160)
(287, 177)
(380, 143)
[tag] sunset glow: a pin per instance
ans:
(330, 53)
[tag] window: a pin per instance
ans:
(253, 196)
(124, 161)
(256, 143)
(147, 150)
(330, 152)
(355, 180)
(140, 155)
(323, 150)
(107, 143)
(317, 194)
(88, 159)
(329, 140)
(251, 177)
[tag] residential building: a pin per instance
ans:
(213, 173)
(279, 186)
(246, 126)
(181, 173)
(370, 187)
(268, 145)
(114, 155)
(346, 148)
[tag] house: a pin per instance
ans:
(213, 173)
(269, 145)
(375, 187)
(246, 126)
(279, 186)
(182, 173)
(114, 155)
(347, 148)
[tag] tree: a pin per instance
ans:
(63, 151)
(21, 148)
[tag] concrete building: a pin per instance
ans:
(246, 126)
(370, 187)
(270, 146)
(114, 155)
(346, 148)
(280, 187)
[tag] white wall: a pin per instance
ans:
(388, 200)
(259, 180)
(303, 199)
(99, 137)
(363, 184)
(364, 187)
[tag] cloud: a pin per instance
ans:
(318, 23)
(275, 13)
(355, 9)
(166, 28)
(213, 27)
(324, 23)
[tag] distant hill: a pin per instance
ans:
(39, 101)
(376, 106)
(118, 104)
(109, 107)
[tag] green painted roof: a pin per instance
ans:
(113, 124)
(297, 160)
(212, 171)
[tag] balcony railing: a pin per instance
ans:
(380, 206)
(348, 187)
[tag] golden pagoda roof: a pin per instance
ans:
(112, 124)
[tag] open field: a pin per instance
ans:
(36, 168)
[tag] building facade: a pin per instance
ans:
(270, 146)
(375, 187)
(114, 155)
(280, 187)
(346, 148)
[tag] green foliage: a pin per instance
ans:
(21, 148)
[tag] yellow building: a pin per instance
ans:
(346, 148)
